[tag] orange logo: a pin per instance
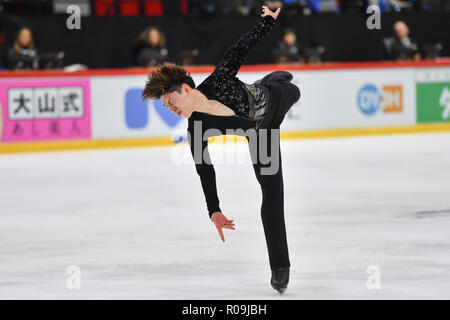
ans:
(392, 99)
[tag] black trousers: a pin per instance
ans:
(272, 207)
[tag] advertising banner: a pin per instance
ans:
(45, 109)
(433, 95)
(329, 99)
(353, 98)
(1, 121)
(119, 111)
(109, 106)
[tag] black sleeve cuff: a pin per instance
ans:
(210, 213)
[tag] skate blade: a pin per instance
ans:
(282, 291)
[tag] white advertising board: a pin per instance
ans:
(329, 99)
(353, 98)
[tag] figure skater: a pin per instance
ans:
(224, 102)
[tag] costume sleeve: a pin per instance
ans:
(204, 168)
(235, 55)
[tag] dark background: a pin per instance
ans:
(105, 42)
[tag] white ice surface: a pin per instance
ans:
(136, 223)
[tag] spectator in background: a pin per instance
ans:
(150, 48)
(288, 50)
(274, 4)
(2, 43)
(294, 8)
(404, 47)
(245, 6)
(23, 55)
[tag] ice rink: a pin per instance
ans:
(136, 224)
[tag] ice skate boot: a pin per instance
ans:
(280, 279)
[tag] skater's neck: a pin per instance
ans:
(205, 105)
(201, 102)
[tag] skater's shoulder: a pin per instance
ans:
(207, 82)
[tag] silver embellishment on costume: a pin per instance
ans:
(257, 101)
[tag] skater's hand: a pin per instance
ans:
(267, 12)
(221, 222)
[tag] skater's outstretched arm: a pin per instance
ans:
(205, 170)
(234, 57)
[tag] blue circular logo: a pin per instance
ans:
(369, 99)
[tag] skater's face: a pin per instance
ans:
(180, 104)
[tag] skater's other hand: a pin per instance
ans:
(222, 222)
(268, 12)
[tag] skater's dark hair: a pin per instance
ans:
(166, 79)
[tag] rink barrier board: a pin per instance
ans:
(167, 141)
(159, 138)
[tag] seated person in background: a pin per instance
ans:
(273, 4)
(293, 8)
(23, 55)
(404, 46)
(288, 50)
(149, 49)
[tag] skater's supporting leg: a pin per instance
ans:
(272, 207)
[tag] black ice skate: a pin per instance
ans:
(280, 279)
